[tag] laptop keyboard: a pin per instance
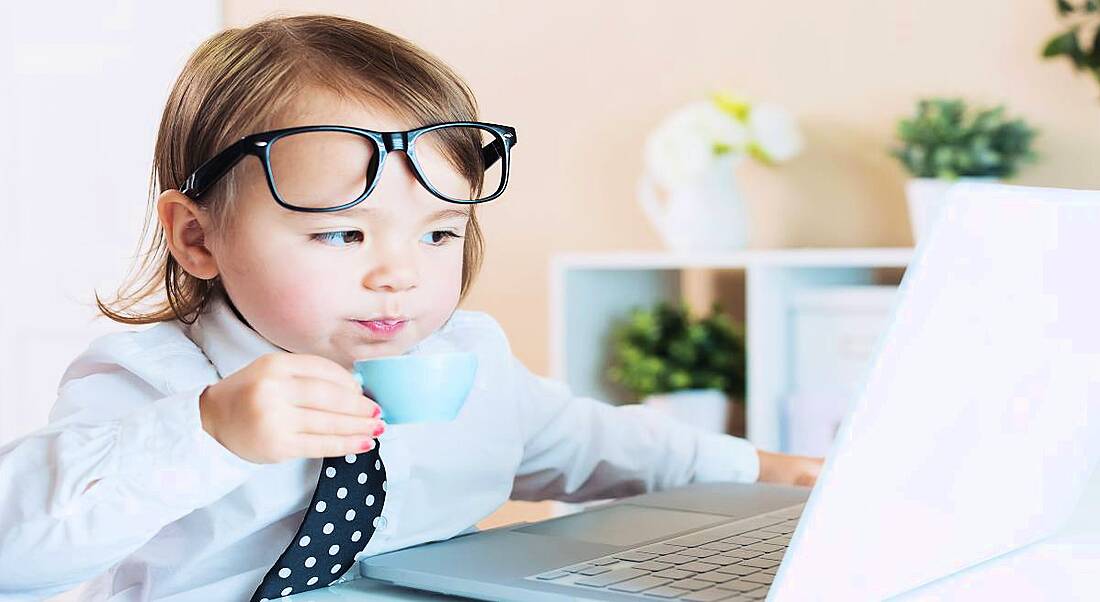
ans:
(733, 561)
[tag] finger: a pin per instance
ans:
(324, 395)
(315, 366)
(310, 445)
(328, 423)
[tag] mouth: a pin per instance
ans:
(383, 328)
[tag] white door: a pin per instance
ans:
(82, 86)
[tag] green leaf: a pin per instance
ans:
(1094, 52)
(736, 107)
(946, 139)
(686, 352)
(1065, 43)
(757, 152)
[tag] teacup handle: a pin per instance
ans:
(359, 379)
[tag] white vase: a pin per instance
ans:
(707, 409)
(707, 215)
(925, 198)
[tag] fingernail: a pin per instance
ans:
(378, 430)
(367, 445)
(377, 411)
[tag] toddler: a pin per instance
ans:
(318, 181)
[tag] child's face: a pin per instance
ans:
(305, 290)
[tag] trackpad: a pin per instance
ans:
(622, 524)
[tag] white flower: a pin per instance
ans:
(685, 144)
(774, 131)
(689, 141)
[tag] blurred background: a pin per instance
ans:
(788, 153)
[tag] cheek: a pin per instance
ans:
(283, 293)
(447, 276)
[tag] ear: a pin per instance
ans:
(186, 228)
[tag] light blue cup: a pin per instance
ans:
(418, 388)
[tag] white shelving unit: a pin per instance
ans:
(591, 291)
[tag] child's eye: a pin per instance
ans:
(445, 234)
(337, 237)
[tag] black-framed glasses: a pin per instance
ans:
(321, 168)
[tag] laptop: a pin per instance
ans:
(975, 433)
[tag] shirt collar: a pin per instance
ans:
(229, 343)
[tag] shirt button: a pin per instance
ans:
(381, 523)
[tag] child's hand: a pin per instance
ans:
(786, 469)
(287, 405)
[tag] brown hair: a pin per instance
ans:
(236, 83)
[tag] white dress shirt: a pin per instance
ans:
(123, 484)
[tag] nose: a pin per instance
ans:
(391, 270)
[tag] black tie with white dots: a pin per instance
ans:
(340, 520)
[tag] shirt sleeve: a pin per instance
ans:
(117, 462)
(579, 448)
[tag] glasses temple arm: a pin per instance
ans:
(210, 172)
(495, 150)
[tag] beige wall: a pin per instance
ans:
(583, 81)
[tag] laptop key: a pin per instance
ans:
(739, 585)
(603, 561)
(639, 584)
(715, 577)
(660, 548)
(699, 566)
(676, 559)
(737, 569)
(718, 546)
(674, 574)
(741, 540)
(764, 547)
(553, 575)
(760, 563)
(743, 553)
(708, 595)
(611, 577)
(691, 584)
(697, 552)
(721, 560)
(771, 571)
(653, 565)
(774, 555)
(759, 578)
(633, 556)
(593, 570)
(665, 592)
(576, 567)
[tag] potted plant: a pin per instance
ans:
(688, 190)
(1080, 43)
(691, 369)
(945, 142)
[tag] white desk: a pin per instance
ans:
(1063, 569)
(365, 589)
(1065, 566)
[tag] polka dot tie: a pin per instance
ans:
(341, 518)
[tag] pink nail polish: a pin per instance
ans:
(367, 445)
(379, 430)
